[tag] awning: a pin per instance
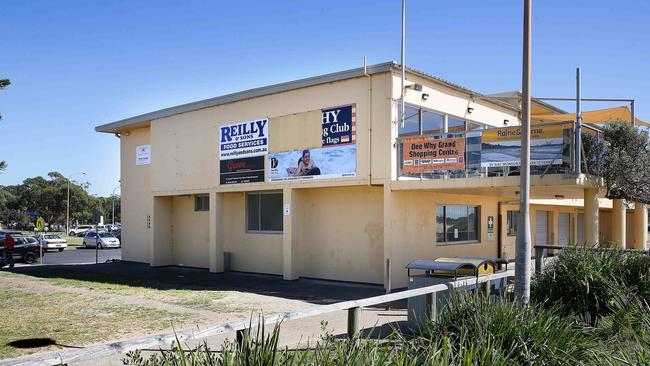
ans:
(600, 116)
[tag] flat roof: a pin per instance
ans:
(119, 125)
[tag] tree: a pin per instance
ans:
(3, 166)
(3, 84)
(622, 158)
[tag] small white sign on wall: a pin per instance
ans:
(287, 209)
(143, 155)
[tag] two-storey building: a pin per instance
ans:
(318, 178)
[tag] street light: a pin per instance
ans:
(113, 201)
(67, 211)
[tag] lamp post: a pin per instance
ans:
(113, 202)
(67, 211)
(523, 246)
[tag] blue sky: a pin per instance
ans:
(77, 64)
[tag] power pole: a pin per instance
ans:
(403, 60)
(523, 249)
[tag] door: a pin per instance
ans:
(581, 228)
(564, 228)
(541, 227)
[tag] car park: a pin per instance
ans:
(80, 230)
(26, 249)
(52, 241)
(100, 240)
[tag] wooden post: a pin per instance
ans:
(353, 321)
(240, 337)
(485, 287)
(432, 314)
(539, 257)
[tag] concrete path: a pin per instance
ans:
(302, 333)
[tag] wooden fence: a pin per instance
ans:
(353, 308)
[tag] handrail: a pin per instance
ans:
(110, 349)
(540, 248)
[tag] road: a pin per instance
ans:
(74, 255)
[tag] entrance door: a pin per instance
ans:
(541, 227)
(581, 228)
(564, 227)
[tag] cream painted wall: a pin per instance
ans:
(137, 201)
(185, 146)
(341, 233)
(190, 233)
(251, 252)
(455, 103)
(413, 230)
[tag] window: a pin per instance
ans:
(455, 124)
(201, 203)
(455, 223)
(264, 212)
(512, 222)
(432, 123)
(411, 126)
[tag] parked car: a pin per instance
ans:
(4, 233)
(51, 241)
(118, 234)
(80, 230)
(26, 249)
(100, 240)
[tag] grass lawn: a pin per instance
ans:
(195, 298)
(73, 241)
(72, 319)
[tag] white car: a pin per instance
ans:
(80, 230)
(100, 240)
(52, 241)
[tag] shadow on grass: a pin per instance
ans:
(179, 278)
(30, 343)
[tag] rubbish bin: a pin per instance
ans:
(442, 271)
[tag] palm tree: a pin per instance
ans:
(3, 165)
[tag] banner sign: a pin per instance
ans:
(337, 158)
(433, 154)
(339, 125)
(502, 146)
(243, 170)
(325, 162)
(143, 155)
(244, 139)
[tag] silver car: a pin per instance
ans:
(100, 240)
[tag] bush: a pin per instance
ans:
(585, 281)
(522, 334)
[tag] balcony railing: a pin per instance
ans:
(492, 152)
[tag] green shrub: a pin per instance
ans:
(522, 334)
(584, 281)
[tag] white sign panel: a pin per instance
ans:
(244, 139)
(287, 209)
(143, 155)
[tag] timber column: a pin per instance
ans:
(640, 226)
(618, 223)
(591, 216)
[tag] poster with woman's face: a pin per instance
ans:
(326, 162)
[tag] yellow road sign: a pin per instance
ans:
(40, 224)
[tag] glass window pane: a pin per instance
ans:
(456, 222)
(440, 224)
(512, 222)
(472, 223)
(474, 126)
(455, 125)
(432, 123)
(253, 212)
(411, 122)
(271, 212)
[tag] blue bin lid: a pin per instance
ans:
(439, 265)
